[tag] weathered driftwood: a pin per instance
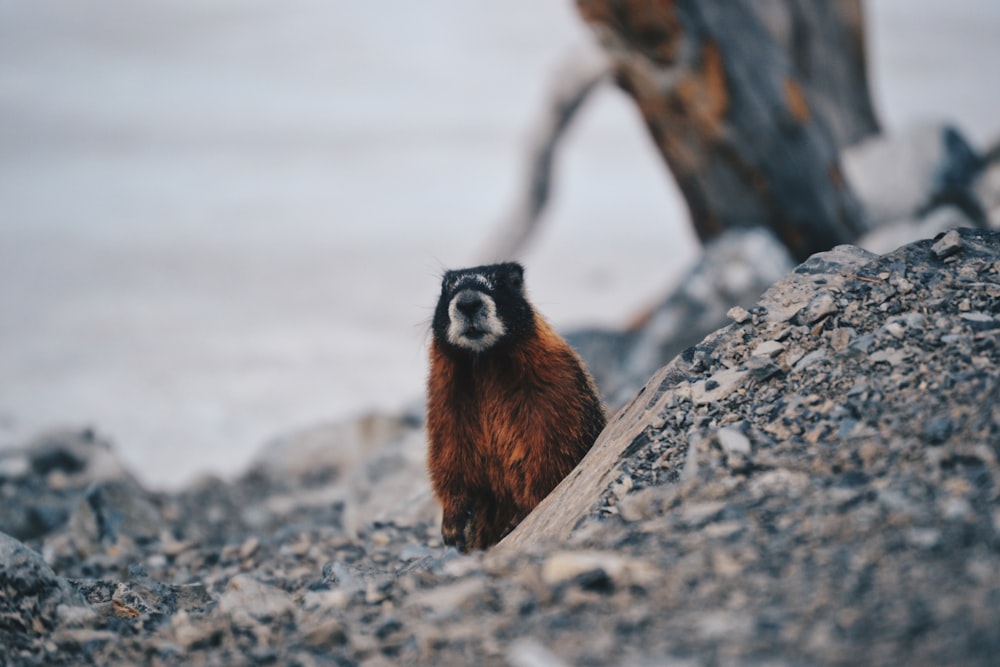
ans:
(579, 75)
(748, 103)
(825, 42)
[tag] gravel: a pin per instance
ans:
(816, 482)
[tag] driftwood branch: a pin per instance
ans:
(580, 74)
(734, 117)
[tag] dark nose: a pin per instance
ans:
(469, 305)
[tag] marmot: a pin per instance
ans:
(510, 407)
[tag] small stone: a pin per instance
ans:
(979, 321)
(896, 330)
(191, 597)
(732, 440)
(14, 467)
(157, 561)
(187, 632)
(380, 539)
(891, 356)
(938, 430)
(819, 306)
(172, 547)
(113, 511)
(810, 359)
(953, 508)
(326, 633)
(717, 387)
(903, 286)
(31, 593)
(448, 598)
(699, 514)
(249, 547)
(738, 314)
(947, 245)
(769, 348)
(641, 505)
(622, 487)
(567, 565)
(840, 338)
(762, 368)
(528, 652)
(780, 481)
(247, 599)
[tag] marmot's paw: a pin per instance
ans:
(456, 529)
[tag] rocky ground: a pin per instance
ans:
(817, 482)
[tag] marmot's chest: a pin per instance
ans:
(508, 419)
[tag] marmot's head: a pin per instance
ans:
(482, 308)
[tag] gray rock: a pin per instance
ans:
(732, 440)
(949, 244)
(718, 386)
(897, 176)
(33, 599)
(738, 314)
(733, 271)
(769, 348)
(51, 473)
(528, 652)
(248, 601)
(819, 306)
(987, 189)
(894, 235)
(116, 513)
(824, 271)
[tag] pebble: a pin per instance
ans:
(762, 368)
(738, 314)
(528, 652)
(248, 600)
(769, 348)
(819, 306)
(896, 330)
(14, 467)
(718, 386)
(840, 338)
(326, 633)
(564, 566)
(891, 356)
(809, 359)
(249, 547)
(732, 440)
(947, 245)
(937, 430)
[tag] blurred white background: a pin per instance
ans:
(221, 220)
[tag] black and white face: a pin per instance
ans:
(481, 307)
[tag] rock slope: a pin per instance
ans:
(817, 482)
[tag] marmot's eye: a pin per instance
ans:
(515, 280)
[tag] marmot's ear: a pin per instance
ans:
(515, 276)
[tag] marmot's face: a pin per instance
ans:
(481, 307)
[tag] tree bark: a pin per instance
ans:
(748, 103)
(825, 42)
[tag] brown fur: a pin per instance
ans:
(504, 429)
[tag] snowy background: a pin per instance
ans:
(223, 220)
